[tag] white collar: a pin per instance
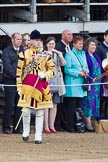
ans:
(65, 43)
(16, 49)
(105, 44)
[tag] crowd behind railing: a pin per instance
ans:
(72, 62)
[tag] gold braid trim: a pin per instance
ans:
(35, 93)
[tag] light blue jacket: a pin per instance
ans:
(72, 70)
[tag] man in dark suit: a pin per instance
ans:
(64, 45)
(10, 59)
(102, 51)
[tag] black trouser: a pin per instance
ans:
(60, 117)
(71, 104)
(11, 100)
(104, 106)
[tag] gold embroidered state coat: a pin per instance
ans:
(35, 92)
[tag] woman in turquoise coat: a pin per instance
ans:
(75, 70)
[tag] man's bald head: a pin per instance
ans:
(67, 36)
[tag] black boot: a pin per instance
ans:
(26, 138)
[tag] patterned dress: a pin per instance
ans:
(91, 103)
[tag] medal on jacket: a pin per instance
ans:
(43, 53)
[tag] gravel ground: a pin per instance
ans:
(60, 147)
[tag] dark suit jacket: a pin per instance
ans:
(60, 46)
(101, 51)
(10, 59)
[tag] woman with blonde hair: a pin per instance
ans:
(25, 40)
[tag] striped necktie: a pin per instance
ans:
(67, 48)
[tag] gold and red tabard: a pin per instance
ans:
(35, 92)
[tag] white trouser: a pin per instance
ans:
(26, 121)
(38, 123)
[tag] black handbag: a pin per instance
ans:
(86, 85)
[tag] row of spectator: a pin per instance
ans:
(77, 64)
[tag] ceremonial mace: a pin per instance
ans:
(105, 67)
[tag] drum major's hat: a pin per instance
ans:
(35, 34)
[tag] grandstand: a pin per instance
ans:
(53, 18)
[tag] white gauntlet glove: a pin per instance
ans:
(19, 92)
(41, 75)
